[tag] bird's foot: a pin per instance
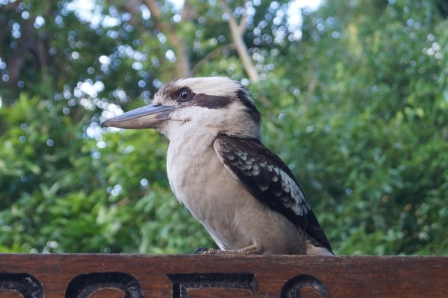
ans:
(250, 250)
(201, 250)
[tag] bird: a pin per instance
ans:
(244, 195)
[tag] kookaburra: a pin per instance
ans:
(242, 193)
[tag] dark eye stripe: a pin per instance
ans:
(211, 101)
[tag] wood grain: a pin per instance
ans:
(109, 275)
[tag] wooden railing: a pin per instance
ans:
(109, 275)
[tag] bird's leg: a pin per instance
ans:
(250, 250)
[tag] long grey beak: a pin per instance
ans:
(144, 117)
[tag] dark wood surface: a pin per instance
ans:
(110, 275)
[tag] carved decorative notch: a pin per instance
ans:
(293, 286)
(84, 285)
(182, 282)
(25, 284)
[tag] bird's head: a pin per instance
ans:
(215, 105)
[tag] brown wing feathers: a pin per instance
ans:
(269, 180)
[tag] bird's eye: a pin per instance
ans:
(185, 94)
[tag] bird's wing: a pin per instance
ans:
(269, 180)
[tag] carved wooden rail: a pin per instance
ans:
(108, 275)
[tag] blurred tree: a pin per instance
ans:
(370, 123)
(355, 99)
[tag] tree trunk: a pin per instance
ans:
(182, 65)
(237, 31)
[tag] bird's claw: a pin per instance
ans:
(201, 250)
(253, 249)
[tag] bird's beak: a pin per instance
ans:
(145, 117)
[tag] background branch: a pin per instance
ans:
(237, 32)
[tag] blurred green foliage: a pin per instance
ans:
(356, 102)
